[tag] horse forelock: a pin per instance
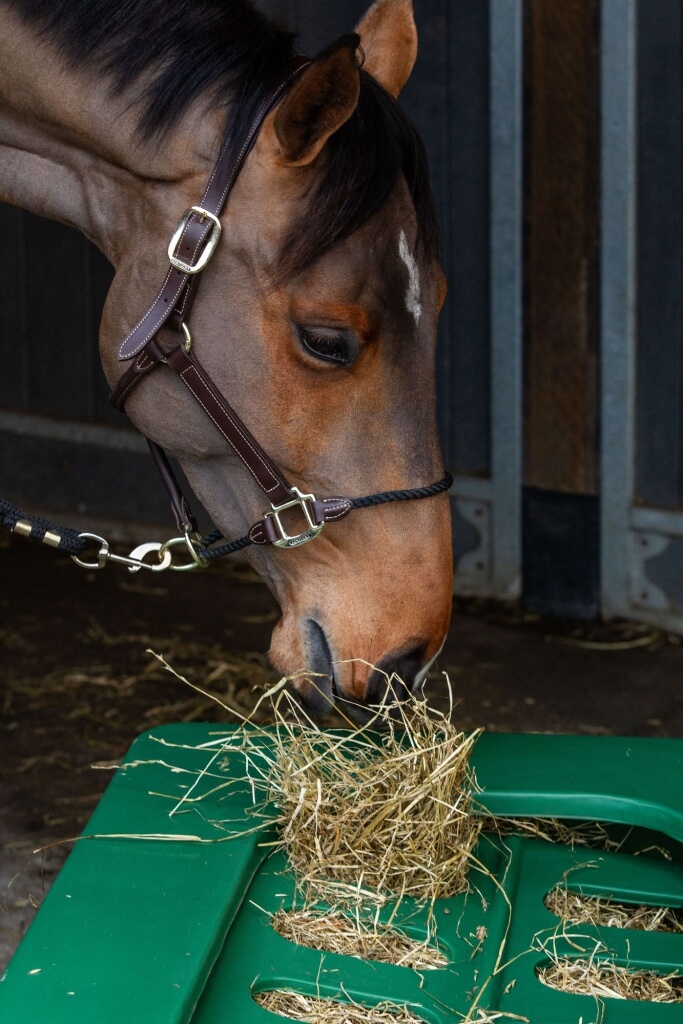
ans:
(364, 161)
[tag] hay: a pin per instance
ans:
(370, 816)
(376, 813)
(316, 1010)
(329, 1011)
(337, 933)
(574, 908)
(603, 979)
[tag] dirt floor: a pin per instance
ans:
(77, 685)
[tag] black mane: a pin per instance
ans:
(185, 48)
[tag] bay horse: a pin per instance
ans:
(318, 312)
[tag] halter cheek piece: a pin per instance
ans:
(192, 246)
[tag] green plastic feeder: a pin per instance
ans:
(175, 930)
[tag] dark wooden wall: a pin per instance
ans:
(52, 288)
(562, 217)
(561, 523)
(659, 394)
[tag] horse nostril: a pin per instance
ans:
(394, 678)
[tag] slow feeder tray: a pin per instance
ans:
(176, 930)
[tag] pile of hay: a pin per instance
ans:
(376, 812)
(603, 979)
(574, 908)
(336, 933)
(367, 816)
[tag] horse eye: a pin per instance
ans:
(329, 345)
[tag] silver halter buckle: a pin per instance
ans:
(304, 502)
(209, 245)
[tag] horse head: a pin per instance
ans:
(317, 320)
(317, 315)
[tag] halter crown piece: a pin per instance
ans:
(192, 246)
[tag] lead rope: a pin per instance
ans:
(73, 543)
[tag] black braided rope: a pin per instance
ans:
(226, 549)
(381, 498)
(410, 494)
(70, 541)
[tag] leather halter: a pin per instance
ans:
(192, 245)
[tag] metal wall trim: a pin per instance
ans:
(472, 542)
(506, 140)
(656, 520)
(617, 294)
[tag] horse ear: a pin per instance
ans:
(323, 98)
(389, 40)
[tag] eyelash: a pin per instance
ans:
(330, 348)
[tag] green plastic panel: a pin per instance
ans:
(163, 931)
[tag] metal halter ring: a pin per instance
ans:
(187, 344)
(189, 541)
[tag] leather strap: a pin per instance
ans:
(182, 513)
(147, 360)
(262, 468)
(176, 293)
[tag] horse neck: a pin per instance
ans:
(69, 150)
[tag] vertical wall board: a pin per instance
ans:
(562, 217)
(506, 189)
(14, 352)
(617, 299)
(659, 390)
(464, 359)
(425, 101)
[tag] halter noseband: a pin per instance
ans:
(192, 246)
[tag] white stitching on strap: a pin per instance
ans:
(336, 511)
(234, 424)
(256, 534)
(149, 313)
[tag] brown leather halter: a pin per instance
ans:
(192, 246)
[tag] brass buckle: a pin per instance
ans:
(209, 245)
(303, 501)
